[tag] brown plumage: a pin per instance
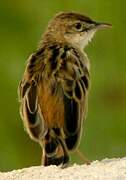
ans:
(54, 89)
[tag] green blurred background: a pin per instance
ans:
(21, 25)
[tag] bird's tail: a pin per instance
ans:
(55, 153)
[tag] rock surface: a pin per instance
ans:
(107, 169)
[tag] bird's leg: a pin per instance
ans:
(44, 160)
(83, 157)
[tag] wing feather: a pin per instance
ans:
(75, 85)
(31, 115)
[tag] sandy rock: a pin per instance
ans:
(107, 169)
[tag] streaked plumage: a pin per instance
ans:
(54, 89)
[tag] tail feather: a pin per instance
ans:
(54, 153)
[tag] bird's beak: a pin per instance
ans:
(102, 25)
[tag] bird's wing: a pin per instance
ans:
(74, 78)
(27, 91)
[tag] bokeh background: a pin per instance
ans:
(21, 25)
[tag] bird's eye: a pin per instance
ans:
(78, 26)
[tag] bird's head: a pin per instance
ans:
(73, 28)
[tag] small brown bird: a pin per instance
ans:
(54, 89)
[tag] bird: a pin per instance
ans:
(53, 92)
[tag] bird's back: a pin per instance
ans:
(53, 93)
